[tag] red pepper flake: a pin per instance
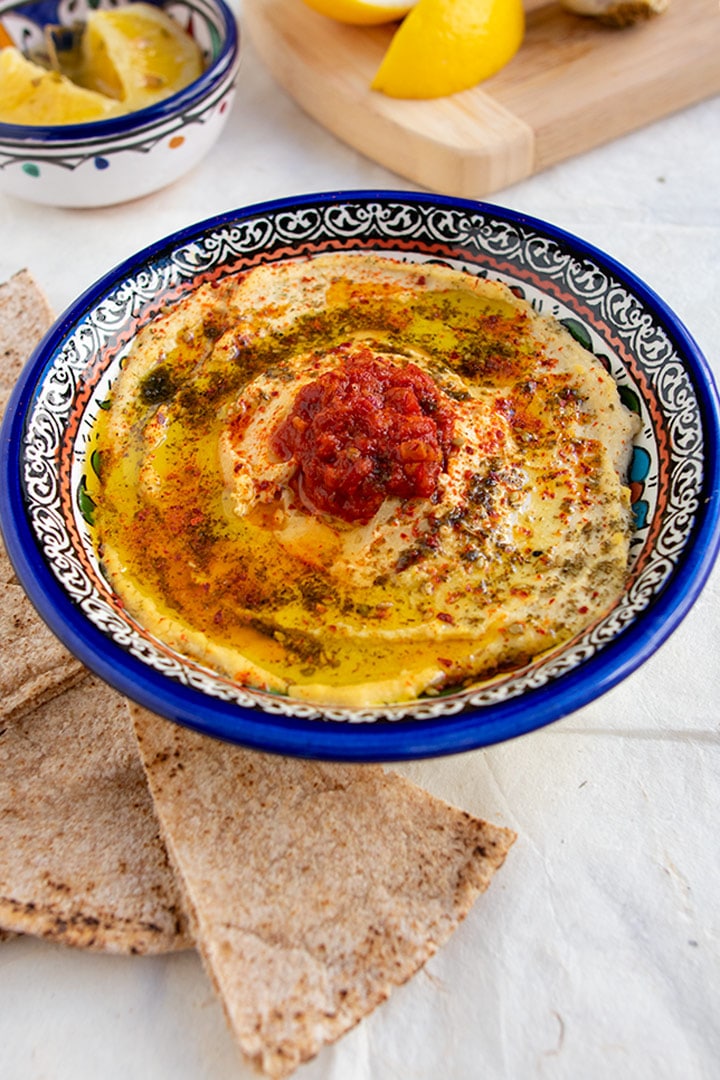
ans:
(445, 617)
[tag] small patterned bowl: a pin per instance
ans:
(675, 471)
(112, 161)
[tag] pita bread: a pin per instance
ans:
(34, 666)
(81, 858)
(313, 889)
(25, 316)
(7, 574)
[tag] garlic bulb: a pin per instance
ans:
(617, 12)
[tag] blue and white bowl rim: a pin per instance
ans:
(381, 740)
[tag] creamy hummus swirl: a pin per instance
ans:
(357, 481)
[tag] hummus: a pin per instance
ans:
(357, 481)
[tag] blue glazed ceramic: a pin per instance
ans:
(112, 161)
(675, 471)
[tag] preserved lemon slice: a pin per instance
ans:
(138, 55)
(362, 12)
(29, 94)
(444, 46)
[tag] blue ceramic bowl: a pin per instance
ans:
(675, 476)
(112, 161)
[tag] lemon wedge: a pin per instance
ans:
(138, 55)
(444, 46)
(30, 94)
(362, 12)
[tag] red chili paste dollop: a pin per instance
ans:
(364, 431)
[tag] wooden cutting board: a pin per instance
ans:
(573, 85)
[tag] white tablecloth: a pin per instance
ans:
(596, 951)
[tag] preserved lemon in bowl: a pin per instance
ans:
(138, 55)
(119, 61)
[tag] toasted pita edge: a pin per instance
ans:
(25, 316)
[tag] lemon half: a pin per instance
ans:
(362, 12)
(444, 46)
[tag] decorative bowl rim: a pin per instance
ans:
(382, 739)
(97, 131)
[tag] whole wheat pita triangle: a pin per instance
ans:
(81, 859)
(34, 666)
(313, 889)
